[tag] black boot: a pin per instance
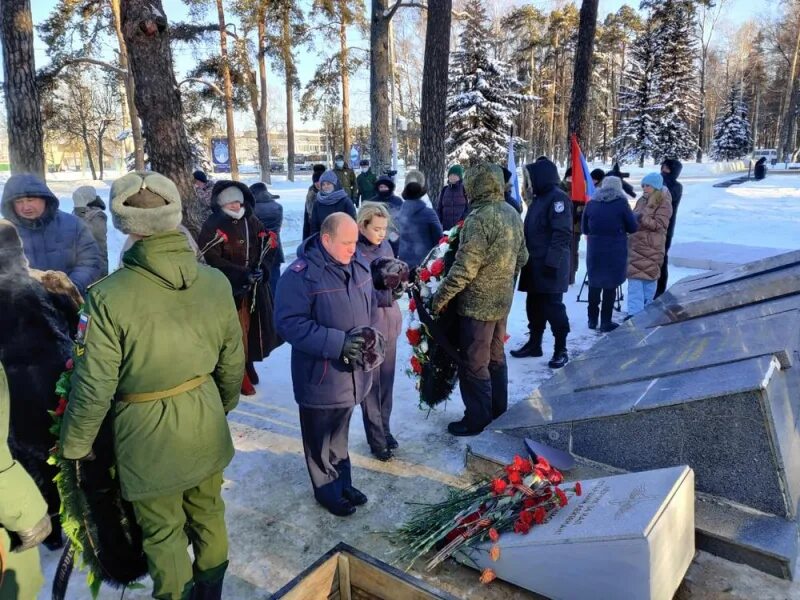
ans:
(331, 496)
(610, 326)
(499, 376)
(207, 591)
(531, 348)
(251, 372)
(349, 493)
(560, 356)
(391, 443)
(477, 396)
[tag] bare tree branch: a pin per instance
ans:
(205, 82)
(400, 4)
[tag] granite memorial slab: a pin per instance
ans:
(627, 537)
(706, 376)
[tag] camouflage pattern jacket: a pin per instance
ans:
(491, 251)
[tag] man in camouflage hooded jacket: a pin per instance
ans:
(489, 258)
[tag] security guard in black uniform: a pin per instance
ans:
(548, 236)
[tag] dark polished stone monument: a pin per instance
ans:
(707, 376)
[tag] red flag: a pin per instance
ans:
(581, 186)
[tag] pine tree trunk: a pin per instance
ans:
(227, 90)
(582, 73)
(136, 125)
(345, 74)
(23, 113)
(433, 109)
(87, 147)
(263, 146)
(789, 107)
(380, 142)
(100, 153)
(288, 69)
(551, 142)
(701, 128)
(158, 100)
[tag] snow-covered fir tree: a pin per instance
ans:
(639, 103)
(483, 98)
(732, 128)
(673, 24)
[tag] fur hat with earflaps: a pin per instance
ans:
(145, 203)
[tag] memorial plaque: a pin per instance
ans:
(627, 537)
(707, 375)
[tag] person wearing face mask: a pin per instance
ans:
(373, 228)
(365, 182)
(330, 199)
(239, 256)
(385, 195)
(311, 198)
(346, 177)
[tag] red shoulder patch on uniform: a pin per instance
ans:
(298, 265)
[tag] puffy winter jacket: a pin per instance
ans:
(56, 241)
(490, 254)
(607, 221)
(452, 204)
(420, 231)
(394, 205)
(156, 323)
(647, 246)
(317, 302)
(676, 193)
(327, 204)
(270, 213)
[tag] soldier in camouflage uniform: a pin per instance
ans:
(490, 255)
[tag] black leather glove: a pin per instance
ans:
(351, 350)
(30, 538)
(549, 272)
(254, 276)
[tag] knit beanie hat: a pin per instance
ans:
(318, 168)
(653, 179)
(200, 176)
(230, 194)
(612, 183)
(456, 170)
(414, 176)
(83, 195)
(329, 177)
(145, 203)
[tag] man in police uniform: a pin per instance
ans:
(160, 346)
(548, 236)
(323, 298)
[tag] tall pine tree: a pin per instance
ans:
(676, 77)
(483, 98)
(732, 128)
(639, 103)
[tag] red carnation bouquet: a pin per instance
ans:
(523, 496)
(433, 368)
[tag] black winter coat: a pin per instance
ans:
(676, 191)
(420, 231)
(548, 233)
(236, 258)
(36, 327)
(270, 213)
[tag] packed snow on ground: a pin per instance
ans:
(275, 527)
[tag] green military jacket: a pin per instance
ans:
(21, 504)
(366, 186)
(156, 323)
(347, 179)
(491, 251)
(21, 508)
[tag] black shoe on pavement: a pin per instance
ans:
(355, 497)
(391, 443)
(341, 507)
(207, 591)
(461, 429)
(529, 349)
(606, 327)
(559, 360)
(592, 324)
(383, 454)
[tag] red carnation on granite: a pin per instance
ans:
(498, 486)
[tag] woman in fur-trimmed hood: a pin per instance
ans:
(38, 316)
(239, 256)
